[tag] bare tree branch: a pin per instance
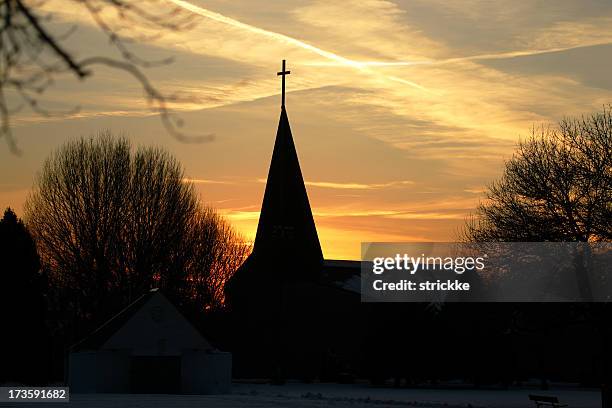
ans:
(31, 56)
(556, 187)
(50, 41)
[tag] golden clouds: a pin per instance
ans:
(425, 97)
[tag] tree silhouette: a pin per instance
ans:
(32, 55)
(556, 187)
(22, 306)
(110, 225)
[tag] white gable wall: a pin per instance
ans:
(158, 328)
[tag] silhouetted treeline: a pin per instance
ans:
(109, 224)
(558, 187)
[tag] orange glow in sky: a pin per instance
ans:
(401, 111)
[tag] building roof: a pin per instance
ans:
(286, 232)
(99, 336)
(140, 324)
(342, 274)
(286, 222)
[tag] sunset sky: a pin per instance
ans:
(401, 111)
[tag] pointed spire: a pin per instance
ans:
(286, 224)
(287, 246)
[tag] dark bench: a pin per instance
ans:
(546, 401)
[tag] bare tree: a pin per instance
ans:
(556, 187)
(110, 225)
(31, 56)
(216, 248)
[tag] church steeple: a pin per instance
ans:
(286, 222)
(286, 246)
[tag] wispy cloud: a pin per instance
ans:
(480, 57)
(353, 186)
(205, 181)
(429, 216)
(360, 213)
(290, 41)
(475, 190)
(358, 186)
(241, 215)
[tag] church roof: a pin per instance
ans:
(96, 339)
(342, 274)
(286, 247)
(286, 222)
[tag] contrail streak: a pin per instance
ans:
(337, 59)
(523, 53)
(502, 55)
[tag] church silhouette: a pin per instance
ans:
(295, 315)
(283, 298)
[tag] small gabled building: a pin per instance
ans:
(149, 347)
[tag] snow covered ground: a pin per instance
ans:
(324, 395)
(366, 396)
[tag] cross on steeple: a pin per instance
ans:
(283, 73)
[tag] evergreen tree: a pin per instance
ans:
(22, 308)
